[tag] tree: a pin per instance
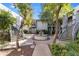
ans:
(24, 9)
(58, 10)
(46, 16)
(6, 20)
(29, 19)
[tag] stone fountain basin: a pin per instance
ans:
(38, 37)
(28, 36)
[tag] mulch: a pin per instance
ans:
(25, 51)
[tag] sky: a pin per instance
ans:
(37, 8)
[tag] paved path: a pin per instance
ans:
(41, 48)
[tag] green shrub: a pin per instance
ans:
(71, 49)
(25, 31)
(58, 50)
(45, 31)
(74, 46)
(37, 31)
(4, 37)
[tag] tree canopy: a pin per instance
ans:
(6, 20)
(57, 10)
(25, 11)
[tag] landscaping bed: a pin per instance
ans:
(70, 49)
(24, 51)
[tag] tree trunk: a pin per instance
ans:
(2, 36)
(57, 23)
(56, 30)
(17, 34)
(17, 41)
(17, 44)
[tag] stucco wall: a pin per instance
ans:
(41, 25)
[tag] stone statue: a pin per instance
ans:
(63, 33)
(75, 24)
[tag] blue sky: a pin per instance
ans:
(36, 8)
(74, 4)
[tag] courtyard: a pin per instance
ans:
(55, 32)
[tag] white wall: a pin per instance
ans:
(41, 26)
